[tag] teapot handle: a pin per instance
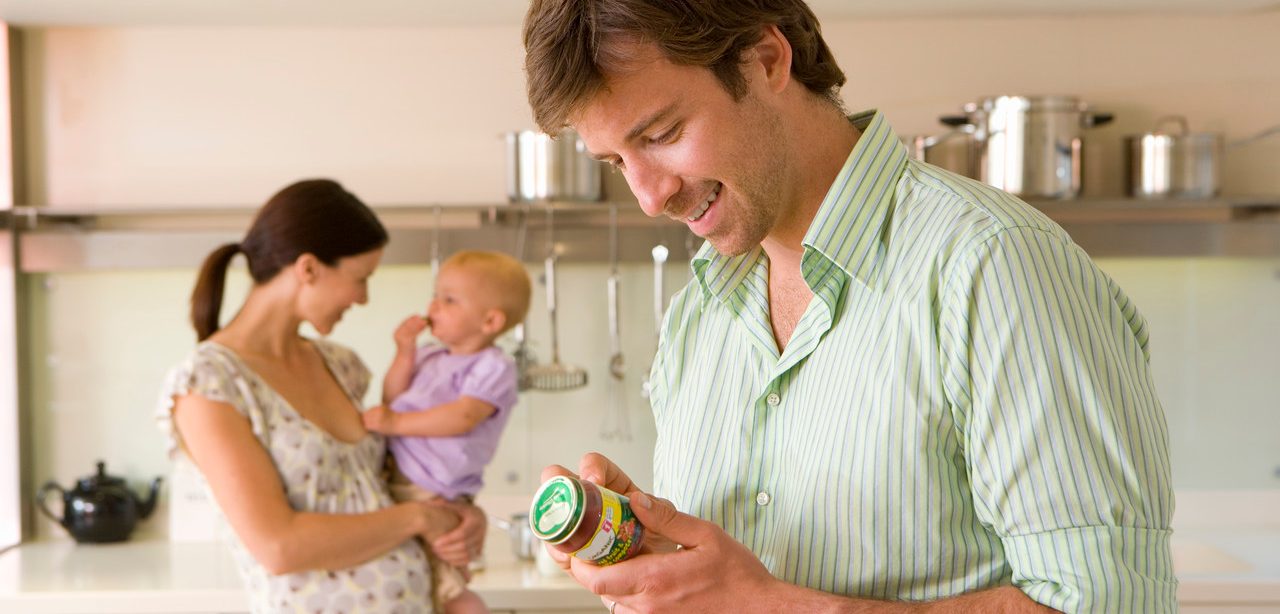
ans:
(41, 495)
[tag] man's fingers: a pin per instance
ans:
(551, 471)
(614, 580)
(661, 517)
(597, 468)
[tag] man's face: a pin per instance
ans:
(689, 150)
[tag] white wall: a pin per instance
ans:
(129, 117)
(148, 117)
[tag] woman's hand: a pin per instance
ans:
(465, 542)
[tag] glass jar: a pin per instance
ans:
(586, 520)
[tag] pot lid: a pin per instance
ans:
(1175, 127)
(1026, 103)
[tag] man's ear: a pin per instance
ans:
(771, 57)
(306, 268)
(494, 321)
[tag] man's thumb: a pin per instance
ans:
(661, 516)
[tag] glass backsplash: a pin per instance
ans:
(100, 342)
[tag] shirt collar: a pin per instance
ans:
(848, 228)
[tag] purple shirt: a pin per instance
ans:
(452, 466)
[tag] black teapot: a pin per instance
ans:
(100, 508)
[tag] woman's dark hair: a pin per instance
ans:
(316, 216)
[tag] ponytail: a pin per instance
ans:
(314, 216)
(206, 299)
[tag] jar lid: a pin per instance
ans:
(556, 510)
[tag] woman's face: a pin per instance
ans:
(335, 289)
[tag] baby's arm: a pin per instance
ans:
(444, 420)
(400, 373)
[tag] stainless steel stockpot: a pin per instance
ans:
(1180, 164)
(543, 168)
(1029, 145)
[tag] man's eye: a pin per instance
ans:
(668, 136)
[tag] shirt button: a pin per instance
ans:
(763, 498)
(773, 399)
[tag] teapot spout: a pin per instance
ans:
(146, 507)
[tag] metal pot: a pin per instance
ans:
(1162, 164)
(1029, 146)
(954, 150)
(524, 544)
(545, 168)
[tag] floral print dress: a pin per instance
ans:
(320, 473)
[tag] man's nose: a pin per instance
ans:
(653, 187)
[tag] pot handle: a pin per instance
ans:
(1183, 129)
(43, 493)
(1257, 136)
(1093, 120)
(955, 121)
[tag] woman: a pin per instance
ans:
(272, 419)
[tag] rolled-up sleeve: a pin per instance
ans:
(1064, 437)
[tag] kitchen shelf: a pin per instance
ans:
(1159, 211)
(53, 239)
(62, 239)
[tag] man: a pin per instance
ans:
(887, 387)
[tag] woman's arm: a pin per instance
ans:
(247, 488)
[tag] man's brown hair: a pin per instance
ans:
(570, 43)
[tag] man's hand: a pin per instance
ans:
(710, 572)
(379, 419)
(598, 469)
(406, 335)
(465, 542)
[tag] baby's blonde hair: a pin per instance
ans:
(502, 276)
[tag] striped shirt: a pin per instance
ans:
(965, 403)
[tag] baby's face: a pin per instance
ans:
(457, 312)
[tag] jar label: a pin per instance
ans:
(618, 534)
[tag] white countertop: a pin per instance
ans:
(1215, 566)
(1227, 565)
(159, 576)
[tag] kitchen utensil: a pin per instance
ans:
(554, 376)
(660, 253)
(1178, 164)
(954, 150)
(617, 423)
(542, 168)
(522, 355)
(1030, 146)
(100, 508)
(524, 544)
(435, 246)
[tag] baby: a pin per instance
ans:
(445, 404)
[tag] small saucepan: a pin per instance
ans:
(524, 544)
(1173, 164)
(545, 168)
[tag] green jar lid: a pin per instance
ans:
(556, 511)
